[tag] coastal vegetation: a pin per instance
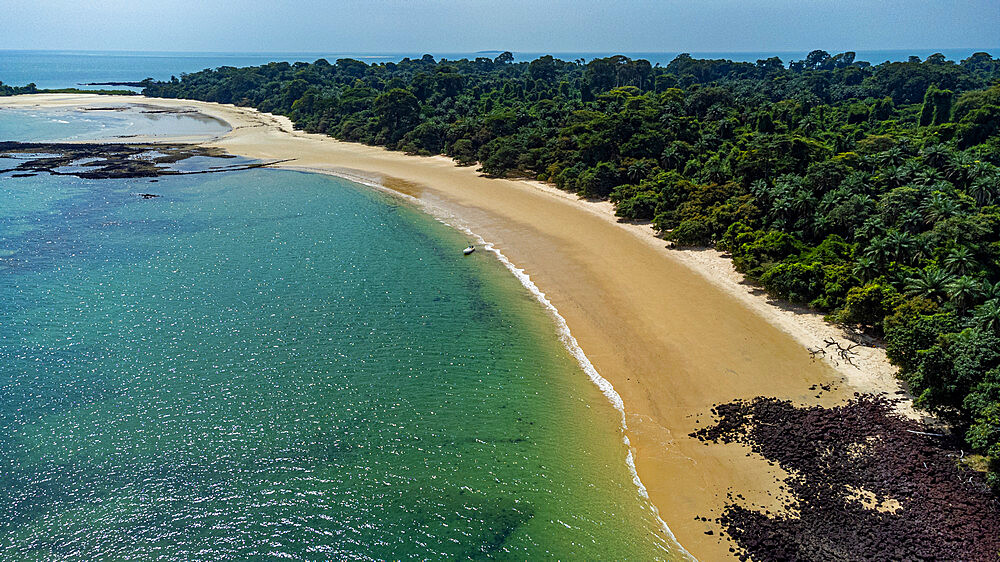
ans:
(6, 90)
(868, 192)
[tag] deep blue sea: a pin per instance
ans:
(63, 69)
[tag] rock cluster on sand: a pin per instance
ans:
(864, 486)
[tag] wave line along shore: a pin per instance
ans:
(674, 333)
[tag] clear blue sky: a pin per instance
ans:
(374, 26)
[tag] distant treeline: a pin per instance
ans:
(6, 90)
(870, 192)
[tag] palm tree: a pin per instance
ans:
(983, 190)
(938, 207)
(862, 201)
(760, 191)
(936, 155)
(964, 291)
(672, 158)
(927, 176)
(866, 268)
(897, 175)
(981, 170)
(912, 167)
(803, 202)
(820, 226)
(870, 163)
(878, 250)
(944, 186)
(892, 157)
(931, 283)
(911, 221)
(638, 170)
(956, 167)
(856, 182)
(833, 198)
(991, 291)
(902, 245)
(960, 261)
(987, 315)
(920, 251)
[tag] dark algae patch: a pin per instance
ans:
(865, 483)
(113, 161)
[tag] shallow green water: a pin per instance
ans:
(269, 364)
(108, 122)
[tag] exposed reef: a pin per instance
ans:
(114, 160)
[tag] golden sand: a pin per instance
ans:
(675, 332)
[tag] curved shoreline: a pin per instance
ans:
(562, 329)
(671, 345)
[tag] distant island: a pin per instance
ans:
(31, 88)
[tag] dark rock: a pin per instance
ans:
(944, 511)
(113, 160)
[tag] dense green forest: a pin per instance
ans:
(869, 192)
(6, 90)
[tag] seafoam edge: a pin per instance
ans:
(562, 328)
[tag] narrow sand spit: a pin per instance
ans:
(674, 331)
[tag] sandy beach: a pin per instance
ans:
(674, 331)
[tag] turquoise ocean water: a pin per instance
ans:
(278, 365)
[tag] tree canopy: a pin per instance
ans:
(870, 192)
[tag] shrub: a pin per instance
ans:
(692, 232)
(796, 282)
(869, 305)
(754, 251)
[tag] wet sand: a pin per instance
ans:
(675, 332)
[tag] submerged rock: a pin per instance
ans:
(111, 161)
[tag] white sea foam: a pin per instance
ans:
(562, 328)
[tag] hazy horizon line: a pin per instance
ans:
(431, 52)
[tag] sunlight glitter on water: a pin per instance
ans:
(276, 363)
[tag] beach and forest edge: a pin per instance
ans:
(497, 308)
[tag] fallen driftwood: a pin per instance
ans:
(846, 353)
